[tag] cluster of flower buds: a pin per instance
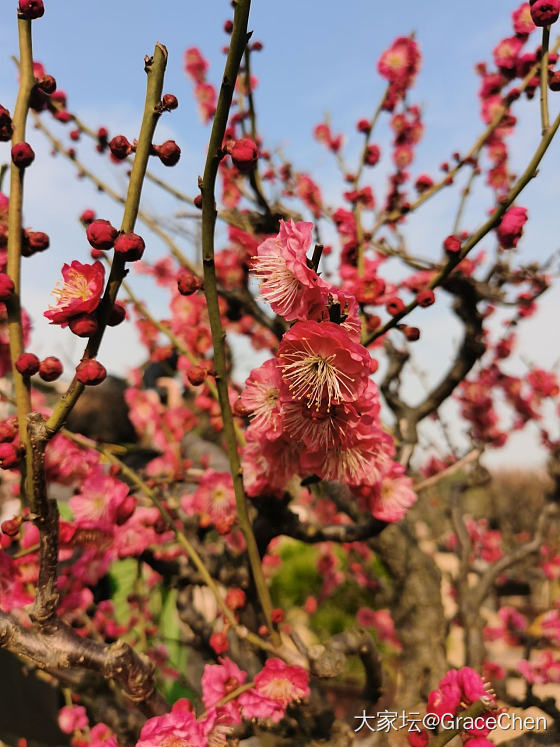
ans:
(205, 93)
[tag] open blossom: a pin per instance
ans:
(214, 501)
(281, 682)
(287, 283)
(268, 465)
(506, 52)
(79, 291)
(179, 728)
(321, 364)
(456, 691)
(401, 62)
(12, 591)
(393, 496)
(100, 498)
(261, 398)
(218, 681)
(361, 460)
(71, 718)
(326, 428)
(522, 21)
(276, 686)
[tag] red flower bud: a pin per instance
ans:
(117, 314)
(90, 372)
(62, 115)
(228, 26)
(88, 216)
(120, 147)
(50, 368)
(6, 287)
(83, 325)
(219, 642)
(426, 297)
(373, 154)
(554, 80)
(9, 456)
(169, 102)
(22, 155)
(244, 154)
(423, 183)
(75, 134)
(27, 364)
(6, 128)
(168, 153)
(256, 46)
(8, 428)
(197, 375)
(101, 234)
(31, 9)
(198, 202)
(394, 305)
(362, 125)
(11, 527)
(277, 615)
(37, 241)
(412, 333)
(235, 599)
(545, 12)
(130, 246)
(47, 84)
(187, 283)
(452, 244)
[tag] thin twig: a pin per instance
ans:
(15, 212)
(545, 122)
(155, 69)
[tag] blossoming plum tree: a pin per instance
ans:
(162, 598)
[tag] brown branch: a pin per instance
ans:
(61, 648)
(448, 471)
(275, 519)
(46, 521)
(515, 556)
(471, 349)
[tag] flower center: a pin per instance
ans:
(76, 286)
(313, 376)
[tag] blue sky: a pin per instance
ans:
(318, 57)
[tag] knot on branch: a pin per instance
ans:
(133, 671)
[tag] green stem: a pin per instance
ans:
(545, 121)
(529, 173)
(462, 204)
(15, 213)
(155, 69)
(237, 46)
